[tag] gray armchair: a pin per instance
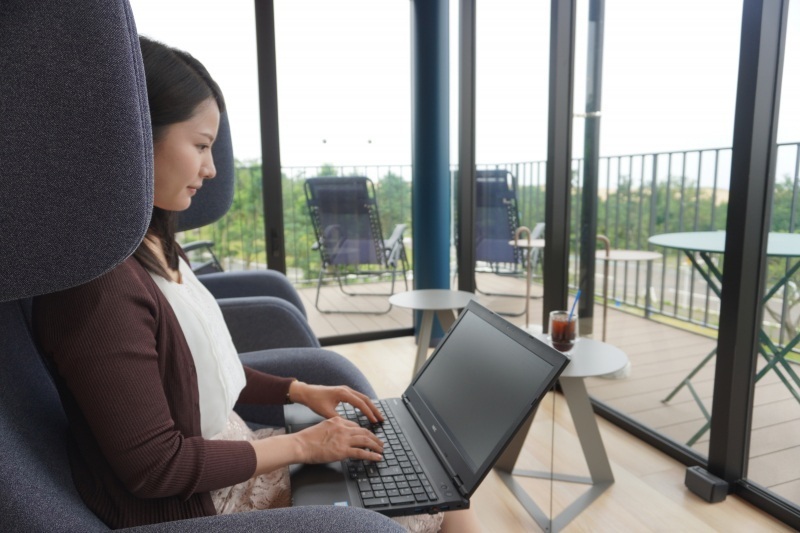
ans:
(76, 197)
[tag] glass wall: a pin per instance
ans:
(512, 73)
(224, 40)
(344, 106)
(668, 92)
(775, 439)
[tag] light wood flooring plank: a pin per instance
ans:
(648, 495)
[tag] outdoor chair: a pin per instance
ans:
(205, 250)
(496, 219)
(496, 222)
(74, 207)
(347, 227)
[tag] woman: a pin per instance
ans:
(145, 365)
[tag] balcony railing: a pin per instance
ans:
(639, 195)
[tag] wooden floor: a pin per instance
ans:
(648, 494)
(661, 356)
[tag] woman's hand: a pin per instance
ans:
(323, 400)
(336, 439)
(330, 440)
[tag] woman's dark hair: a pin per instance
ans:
(177, 84)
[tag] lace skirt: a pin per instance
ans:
(272, 490)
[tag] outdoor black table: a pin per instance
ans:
(707, 243)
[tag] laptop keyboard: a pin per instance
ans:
(397, 480)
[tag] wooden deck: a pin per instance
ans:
(661, 356)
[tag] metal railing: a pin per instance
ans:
(639, 195)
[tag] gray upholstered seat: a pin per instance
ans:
(76, 193)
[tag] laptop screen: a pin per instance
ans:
(481, 383)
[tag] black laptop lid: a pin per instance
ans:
(478, 388)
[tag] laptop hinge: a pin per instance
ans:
(459, 485)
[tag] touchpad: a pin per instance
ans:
(299, 417)
(318, 485)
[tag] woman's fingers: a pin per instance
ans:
(336, 439)
(363, 404)
(363, 438)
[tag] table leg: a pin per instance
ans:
(605, 298)
(424, 341)
(528, 273)
(580, 407)
(594, 452)
(446, 318)
(647, 300)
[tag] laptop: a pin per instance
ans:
(449, 428)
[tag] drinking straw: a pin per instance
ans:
(577, 297)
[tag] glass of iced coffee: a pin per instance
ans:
(563, 330)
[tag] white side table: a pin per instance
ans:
(625, 256)
(590, 358)
(529, 246)
(440, 302)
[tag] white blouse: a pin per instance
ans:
(220, 375)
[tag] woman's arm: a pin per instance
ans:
(104, 338)
(263, 388)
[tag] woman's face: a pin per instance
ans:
(182, 157)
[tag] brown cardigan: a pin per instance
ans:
(128, 385)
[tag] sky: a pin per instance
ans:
(344, 87)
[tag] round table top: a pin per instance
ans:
(523, 243)
(628, 255)
(432, 299)
(778, 244)
(591, 358)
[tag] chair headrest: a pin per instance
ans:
(75, 143)
(214, 199)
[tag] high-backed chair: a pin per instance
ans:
(76, 190)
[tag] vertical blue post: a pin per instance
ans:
(430, 146)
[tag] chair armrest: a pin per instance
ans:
(394, 244)
(289, 520)
(396, 236)
(264, 322)
(310, 365)
(252, 283)
(195, 245)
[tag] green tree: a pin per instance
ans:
(394, 202)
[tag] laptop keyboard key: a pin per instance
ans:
(399, 500)
(396, 480)
(376, 502)
(390, 471)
